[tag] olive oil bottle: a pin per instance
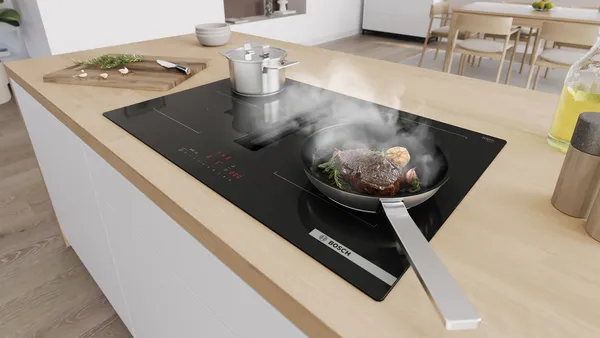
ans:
(573, 101)
(580, 94)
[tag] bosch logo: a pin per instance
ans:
(340, 248)
(323, 238)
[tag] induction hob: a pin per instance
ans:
(248, 150)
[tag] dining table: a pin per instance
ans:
(523, 15)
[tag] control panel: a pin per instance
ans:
(220, 163)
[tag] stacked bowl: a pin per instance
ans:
(213, 34)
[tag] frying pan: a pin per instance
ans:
(432, 168)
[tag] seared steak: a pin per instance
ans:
(369, 172)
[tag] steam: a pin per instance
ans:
(385, 127)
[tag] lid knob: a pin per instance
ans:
(266, 51)
(586, 137)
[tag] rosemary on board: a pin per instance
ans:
(110, 61)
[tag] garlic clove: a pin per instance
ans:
(83, 75)
(124, 70)
(83, 70)
(104, 75)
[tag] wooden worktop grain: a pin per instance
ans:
(528, 269)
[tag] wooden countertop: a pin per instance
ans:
(528, 269)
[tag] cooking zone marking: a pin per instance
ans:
(430, 126)
(336, 205)
(174, 120)
(355, 258)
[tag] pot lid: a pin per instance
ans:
(254, 53)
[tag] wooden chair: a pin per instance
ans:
(527, 34)
(496, 50)
(571, 45)
(561, 32)
(439, 11)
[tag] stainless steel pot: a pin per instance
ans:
(257, 70)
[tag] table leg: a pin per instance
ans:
(451, 34)
(536, 44)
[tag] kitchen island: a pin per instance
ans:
(529, 270)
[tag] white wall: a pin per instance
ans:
(73, 25)
(32, 28)
(62, 26)
(325, 20)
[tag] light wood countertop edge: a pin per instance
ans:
(528, 269)
(289, 307)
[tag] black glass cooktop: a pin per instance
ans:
(248, 151)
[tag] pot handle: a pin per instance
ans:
(452, 305)
(283, 64)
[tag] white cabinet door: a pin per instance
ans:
(235, 303)
(63, 164)
(159, 303)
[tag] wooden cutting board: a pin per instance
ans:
(144, 75)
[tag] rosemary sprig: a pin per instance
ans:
(110, 61)
(415, 185)
(337, 178)
(334, 174)
(327, 166)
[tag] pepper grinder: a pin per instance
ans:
(592, 226)
(579, 179)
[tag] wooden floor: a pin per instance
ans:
(376, 47)
(45, 291)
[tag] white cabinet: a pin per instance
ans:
(63, 164)
(406, 17)
(231, 300)
(159, 303)
(161, 281)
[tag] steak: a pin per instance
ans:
(369, 172)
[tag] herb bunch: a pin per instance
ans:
(110, 61)
(330, 169)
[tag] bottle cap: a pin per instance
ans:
(586, 137)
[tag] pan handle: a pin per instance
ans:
(452, 305)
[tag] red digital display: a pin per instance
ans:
(219, 159)
(236, 174)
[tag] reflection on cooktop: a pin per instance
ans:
(369, 235)
(248, 151)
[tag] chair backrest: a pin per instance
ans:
(439, 8)
(572, 33)
(484, 24)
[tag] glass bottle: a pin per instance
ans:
(268, 7)
(581, 93)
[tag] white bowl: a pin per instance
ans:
(219, 32)
(212, 27)
(213, 40)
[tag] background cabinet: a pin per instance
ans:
(406, 17)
